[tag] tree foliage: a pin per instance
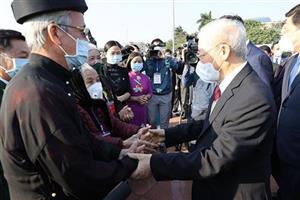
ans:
(180, 36)
(205, 18)
(258, 33)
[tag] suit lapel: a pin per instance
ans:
(249, 48)
(226, 95)
(285, 82)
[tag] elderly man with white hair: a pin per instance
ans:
(231, 159)
(45, 150)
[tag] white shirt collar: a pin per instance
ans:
(228, 79)
(3, 80)
(247, 42)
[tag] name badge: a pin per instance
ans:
(157, 78)
(111, 107)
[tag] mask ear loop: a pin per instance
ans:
(3, 68)
(68, 34)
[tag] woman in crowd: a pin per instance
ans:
(141, 89)
(94, 112)
(114, 76)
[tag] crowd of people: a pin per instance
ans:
(77, 119)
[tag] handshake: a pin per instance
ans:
(141, 146)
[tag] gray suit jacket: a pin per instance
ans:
(232, 155)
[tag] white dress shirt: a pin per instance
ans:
(226, 81)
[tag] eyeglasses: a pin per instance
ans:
(200, 56)
(83, 30)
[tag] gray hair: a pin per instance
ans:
(226, 31)
(35, 29)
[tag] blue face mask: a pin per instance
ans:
(17, 63)
(207, 72)
(136, 67)
(82, 50)
(115, 59)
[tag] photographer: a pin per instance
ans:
(159, 69)
(201, 91)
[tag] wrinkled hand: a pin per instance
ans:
(142, 99)
(129, 141)
(143, 169)
(140, 146)
(126, 114)
(156, 136)
(143, 131)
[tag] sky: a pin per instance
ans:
(143, 20)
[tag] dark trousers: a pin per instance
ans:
(4, 193)
(289, 182)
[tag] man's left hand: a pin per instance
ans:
(143, 169)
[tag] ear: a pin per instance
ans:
(225, 51)
(53, 34)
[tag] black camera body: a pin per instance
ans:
(191, 45)
(126, 51)
(152, 53)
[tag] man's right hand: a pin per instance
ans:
(156, 136)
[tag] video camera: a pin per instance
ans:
(191, 45)
(90, 36)
(126, 51)
(153, 52)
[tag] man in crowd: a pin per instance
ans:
(288, 132)
(159, 69)
(231, 159)
(45, 150)
(13, 55)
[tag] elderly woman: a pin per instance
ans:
(94, 58)
(94, 112)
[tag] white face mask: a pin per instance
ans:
(285, 44)
(207, 72)
(96, 90)
(115, 59)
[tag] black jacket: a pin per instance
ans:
(232, 155)
(288, 127)
(44, 146)
(115, 82)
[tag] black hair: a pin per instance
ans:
(136, 46)
(130, 57)
(233, 17)
(110, 44)
(266, 48)
(6, 36)
(295, 12)
(168, 51)
(157, 40)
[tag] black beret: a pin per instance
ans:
(25, 9)
(11, 34)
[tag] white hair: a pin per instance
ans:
(226, 31)
(35, 29)
(86, 67)
(92, 47)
